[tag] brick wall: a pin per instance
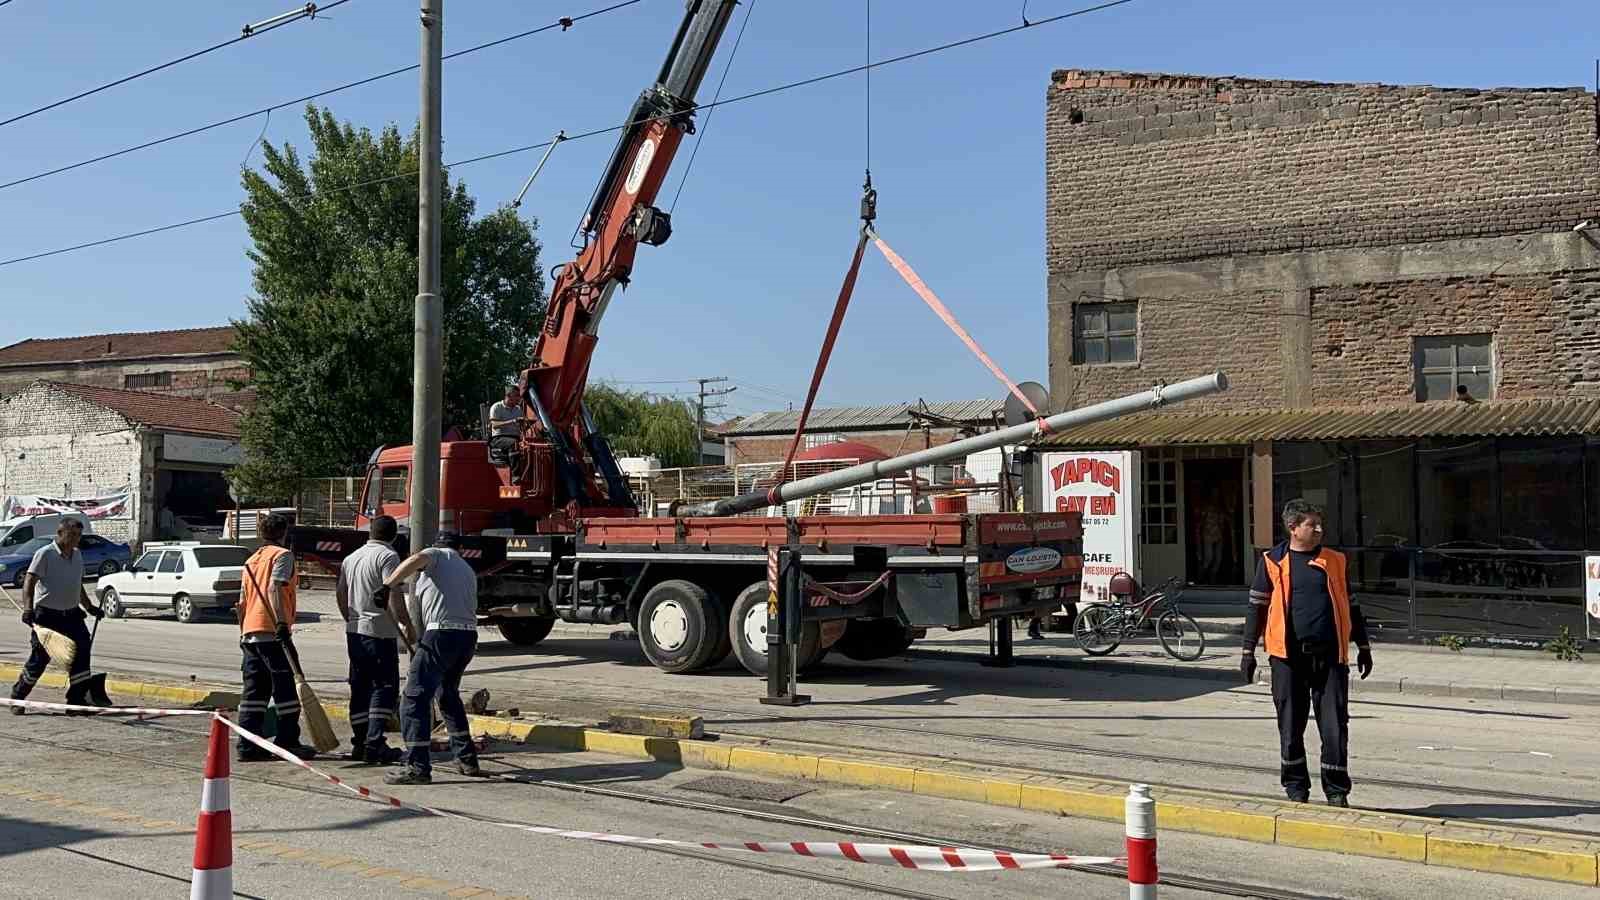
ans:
(1146, 168)
(207, 379)
(52, 444)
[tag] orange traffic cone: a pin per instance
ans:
(213, 832)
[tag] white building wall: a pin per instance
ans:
(54, 444)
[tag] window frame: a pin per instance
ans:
(135, 381)
(177, 565)
(1083, 336)
(1420, 371)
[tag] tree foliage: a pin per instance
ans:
(640, 424)
(329, 336)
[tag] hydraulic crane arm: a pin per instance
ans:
(557, 435)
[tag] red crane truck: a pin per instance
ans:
(554, 533)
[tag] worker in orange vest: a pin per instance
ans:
(1301, 595)
(266, 607)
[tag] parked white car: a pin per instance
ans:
(186, 577)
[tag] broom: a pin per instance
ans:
(316, 718)
(62, 649)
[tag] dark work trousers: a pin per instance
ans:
(374, 689)
(70, 623)
(440, 660)
(1301, 685)
(267, 676)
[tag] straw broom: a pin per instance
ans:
(62, 649)
(316, 718)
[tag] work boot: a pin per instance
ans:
(1338, 800)
(469, 768)
(253, 755)
(1299, 796)
(383, 756)
(408, 775)
(1034, 632)
(306, 754)
(97, 691)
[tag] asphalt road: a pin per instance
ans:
(1523, 763)
(98, 807)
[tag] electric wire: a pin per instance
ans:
(706, 126)
(167, 65)
(563, 23)
(765, 92)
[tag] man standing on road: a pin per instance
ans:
(1302, 595)
(372, 638)
(53, 597)
(447, 591)
(266, 607)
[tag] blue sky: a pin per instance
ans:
(765, 224)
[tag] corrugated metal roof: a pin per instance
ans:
(1413, 420)
(863, 418)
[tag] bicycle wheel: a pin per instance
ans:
(1180, 635)
(1097, 630)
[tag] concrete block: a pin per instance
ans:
(1374, 685)
(1577, 696)
(769, 762)
(866, 774)
(1534, 692)
(681, 727)
(1480, 691)
(1424, 688)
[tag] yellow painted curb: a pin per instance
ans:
(680, 727)
(768, 762)
(1258, 827)
(1354, 839)
(864, 774)
(1510, 859)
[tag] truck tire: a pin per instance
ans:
(525, 632)
(747, 628)
(675, 626)
(724, 646)
(869, 639)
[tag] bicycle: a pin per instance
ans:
(1101, 628)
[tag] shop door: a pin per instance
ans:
(1213, 494)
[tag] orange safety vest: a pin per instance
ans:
(254, 613)
(1332, 563)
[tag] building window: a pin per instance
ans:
(147, 380)
(1104, 333)
(813, 440)
(1160, 497)
(1454, 367)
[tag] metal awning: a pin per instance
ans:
(1413, 420)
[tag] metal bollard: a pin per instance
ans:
(1140, 816)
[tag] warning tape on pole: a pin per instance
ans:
(933, 859)
(908, 856)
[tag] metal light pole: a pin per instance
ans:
(428, 346)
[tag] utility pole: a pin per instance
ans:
(700, 412)
(427, 386)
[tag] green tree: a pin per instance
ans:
(329, 336)
(640, 424)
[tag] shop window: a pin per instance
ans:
(1541, 494)
(1591, 490)
(1104, 333)
(1454, 367)
(1386, 474)
(145, 380)
(1459, 494)
(1159, 506)
(1312, 472)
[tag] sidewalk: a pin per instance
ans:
(1397, 669)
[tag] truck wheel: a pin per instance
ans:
(723, 607)
(525, 632)
(747, 627)
(869, 639)
(675, 626)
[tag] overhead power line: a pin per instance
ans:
(310, 11)
(598, 131)
(563, 23)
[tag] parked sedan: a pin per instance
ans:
(187, 578)
(100, 557)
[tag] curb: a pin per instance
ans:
(1555, 694)
(1505, 850)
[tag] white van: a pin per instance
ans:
(19, 531)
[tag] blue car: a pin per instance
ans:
(100, 557)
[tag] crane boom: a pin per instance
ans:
(563, 458)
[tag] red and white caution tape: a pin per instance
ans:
(105, 710)
(933, 859)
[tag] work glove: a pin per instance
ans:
(380, 597)
(97, 612)
(283, 632)
(27, 617)
(1247, 667)
(1364, 662)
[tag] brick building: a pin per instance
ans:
(1403, 285)
(168, 453)
(894, 428)
(194, 362)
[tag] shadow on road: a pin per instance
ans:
(21, 835)
(1495, 811)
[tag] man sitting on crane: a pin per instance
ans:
(505, 427)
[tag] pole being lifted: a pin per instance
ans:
(1204, 386)
(427, 388)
